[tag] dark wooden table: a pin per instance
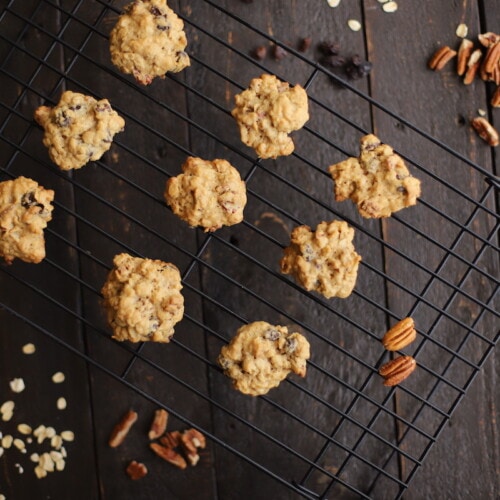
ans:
(417, 262)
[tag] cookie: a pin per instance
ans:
(209, 194)
(25, 209)
(324, 260)
(148, 41)
(261, 355)
(378, 181)
(78, 130)
(143, 299)
(267, 112)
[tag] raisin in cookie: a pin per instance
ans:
(261, 355)
(148, 41)
(324, 260)
(378, 181)
(25, 209)
(79, 129)
(142, 298)
(209, 194)
(267, 112)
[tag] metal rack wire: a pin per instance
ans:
(57, 55)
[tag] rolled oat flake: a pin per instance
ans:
(333, 3)
(354, 25)
(390, 7)
(462, 30)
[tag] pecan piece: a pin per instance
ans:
(397, 370)
(168, 455)
(441, 57)
(464, 53)
(159, 424)
(491, 62)
(485, 130)
(473, 65)
(191, 440)
(488, 39)
(121, 429)
(400, 335)
(495, 100)
(136, 470)
(171, 439)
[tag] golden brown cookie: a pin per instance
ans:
(25, 209)
(78, 130)
(261, 355)
(209, 194)
(267, 112)
(378, 181)
(148, 41)
(143, 299)
(324, 260)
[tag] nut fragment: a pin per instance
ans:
(473, 65)
(491, 62)
(400, 335)
(397, 370)
(495, 100)
(464, 52)
(485, 130)
(159, 424)
(171, 439)
(488, 39)
(121, 429)
(191, 440)
(441, 57)
(136, 470)
(169, 455)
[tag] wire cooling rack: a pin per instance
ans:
(340, 413)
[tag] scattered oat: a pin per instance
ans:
(56, 442)
(7, 441)
(50, 432)
(61, 404)
(60, 464)
(333, 3)
(382, 1)
(29, 348)
(1, 451)
(47, 463)
(19, 444)
(354, 25)
(2, 497)
(7, 406)
(390, 7)
(24, 429)
(58, 377)
(63, 452)
(19, 468)
(462, 30)
(481, 112)
(29, 440)
(68, 435)
(55, 455)
(17, 385)
(35, 457)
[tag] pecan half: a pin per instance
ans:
(400, 335)
(495, 100)
(171, 439)
(464, 52)
(488, 39)
(485, 130)
(491, 62)
(168, 455)
(159, 424)
(473, 65)
(121, 429)
(136, 470)
(441, 57)
(397, 370)
(191, 440)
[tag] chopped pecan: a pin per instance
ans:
(488, 39)
(121, 429)
(400, 335)
(473, 65)
(491, 62)
(159, 424)
(495, 100)
(397, 370)
(191, 440)
(171, 439)
(485, 130)
(441, 57)
(136, 470)
(168, 455)
(464, 52)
